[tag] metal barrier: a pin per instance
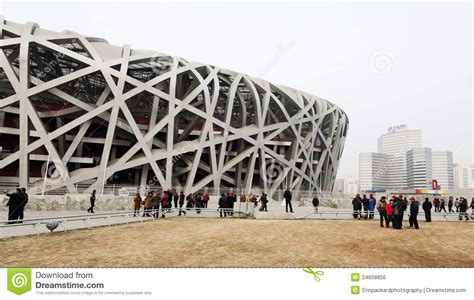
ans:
(199, 212)
(446, 216)
(141, 215)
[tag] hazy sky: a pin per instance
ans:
(384, 64)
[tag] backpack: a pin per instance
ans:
(381, 209)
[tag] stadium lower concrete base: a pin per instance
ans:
(73, 202)
(274, 216)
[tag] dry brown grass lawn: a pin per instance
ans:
(246, 243)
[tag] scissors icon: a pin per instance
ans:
(315, 274)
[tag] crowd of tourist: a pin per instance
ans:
(393, 210)
(363, 206)
(156, 204)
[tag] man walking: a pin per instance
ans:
(414, 208)
(382, 211)
(287, 196)
(450, 204)
(442, 205)
(92, 200)
(427, 209)
(264, 201)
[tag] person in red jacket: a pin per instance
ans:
(389, 210)
(205, 199)
(165, 203)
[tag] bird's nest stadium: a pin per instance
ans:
(79, 113)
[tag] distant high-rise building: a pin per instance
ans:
(442, 166)
(397, 142)
(347, 186)
(403, 163)
(463, 176)
(397, 173)
(373, 171)
(419, 167)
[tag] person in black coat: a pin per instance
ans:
(414, 208)
(23, 204)
(181, 203)
(365, 205)
(232, 198)
(92, 200)
(287, 196)
(404, 208)
(357, 206)
(315, 203)
(397, 214)
(14, 204)
(189, 201)
(229, 204)
(222, 205)
(427, 209)
(198, 202)
(463, 208)
(264, 201)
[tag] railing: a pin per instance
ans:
(115, 189)
(445, 216)
(164, 211)
(142, 216)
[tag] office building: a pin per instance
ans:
(442, 168)
(463, 176)
(403, 163)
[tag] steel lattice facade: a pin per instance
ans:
(104, 114)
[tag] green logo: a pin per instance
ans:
(315, 274)
(19, 280)
(355, 277)
(355, 290)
